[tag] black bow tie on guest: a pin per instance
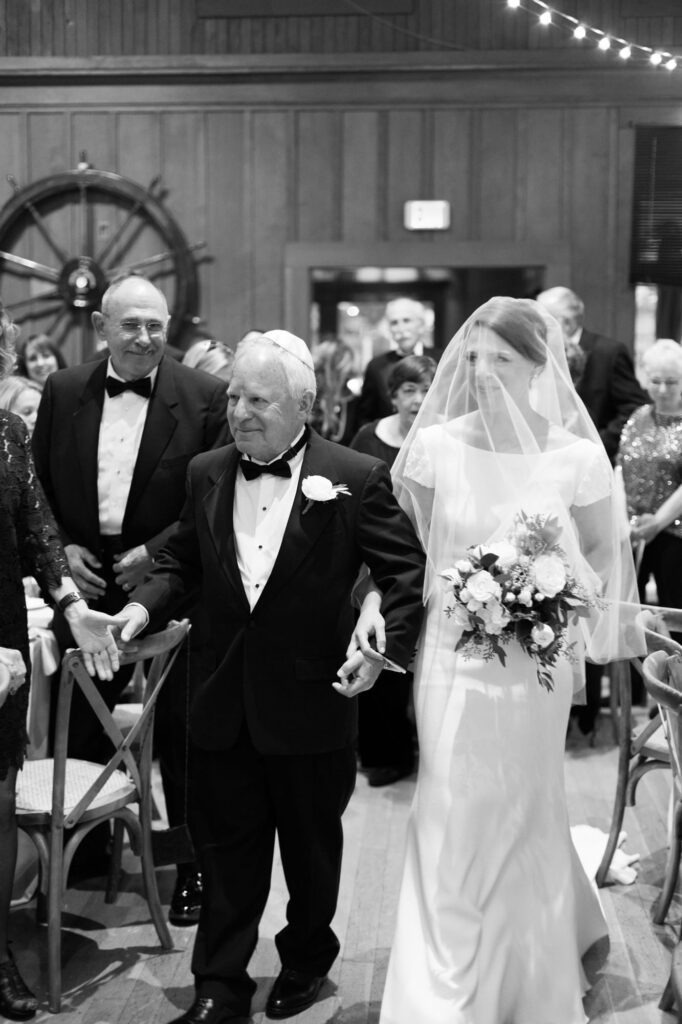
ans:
(115, 387)
(280, 467)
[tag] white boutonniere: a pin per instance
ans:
(319, 488)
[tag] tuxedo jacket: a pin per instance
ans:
(609, 387)
(186, 415)
(375, 399)
(274, 665)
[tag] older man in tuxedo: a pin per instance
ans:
(273, 533)
(112, 443)
(406, 320)
(610, 391)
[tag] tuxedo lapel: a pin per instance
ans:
(159, 427)
(302, 530)
(86, 424)
(218, 508)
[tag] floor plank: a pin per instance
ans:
(115, 973)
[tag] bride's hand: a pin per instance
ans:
(369, 635)
(92, 631)
(12, 672)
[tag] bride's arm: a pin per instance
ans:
(593, 523)
(369, 634)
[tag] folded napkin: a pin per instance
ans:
(44, 649)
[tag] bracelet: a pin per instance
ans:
(68, 599)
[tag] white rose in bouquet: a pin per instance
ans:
(482, 586)
(452, 576)
(506, 553)
(542, 635)
(463, 565)
(495, 617)
(550, 575)
(526, 596)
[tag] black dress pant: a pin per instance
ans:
(385, 732)
(245, 799)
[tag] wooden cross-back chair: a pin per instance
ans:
(643, 749)
(61, 799)
(663, 680)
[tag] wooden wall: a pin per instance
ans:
(75, 28)
(259, 154)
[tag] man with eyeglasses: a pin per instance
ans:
(112, 443)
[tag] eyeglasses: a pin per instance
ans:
(656, 382)
(133, 328)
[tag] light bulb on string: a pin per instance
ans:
(625, 53)
(579, 32)
(671, 64)
(604, 43)
(656, 58)
(513, 3)
(546, 17)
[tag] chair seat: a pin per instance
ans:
(34, 786)
(656, 746)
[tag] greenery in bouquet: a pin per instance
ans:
(519, 588)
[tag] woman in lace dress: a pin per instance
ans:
(29, 543)
(495, 911)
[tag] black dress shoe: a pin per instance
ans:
(185, 905)
(205, 1010)
(17, 1002)
(293, 992)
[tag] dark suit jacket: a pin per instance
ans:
(609, 387)
(375, 400)
(187, 415)
(274, 665)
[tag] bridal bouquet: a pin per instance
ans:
(518, 589)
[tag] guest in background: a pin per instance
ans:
(112, 443)
(651, 457)
(608, 387)
(21, 396)
(385, 730)
(334, 413)
(407, 325)
(212, 357)
(37, 358)
(29, 540)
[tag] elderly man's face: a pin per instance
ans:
(565, 315)
(263, 415)
(134, 328)
(406, 324)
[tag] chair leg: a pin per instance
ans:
(149, 873)
(55, 892)
(115, 862)
(622, 685)
(672, 869)
(667, 1000)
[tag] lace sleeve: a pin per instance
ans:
(596, 479)
(40, 548)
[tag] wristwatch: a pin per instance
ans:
(68, 599)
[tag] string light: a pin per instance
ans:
(604, 42)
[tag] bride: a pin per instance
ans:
(495, 911)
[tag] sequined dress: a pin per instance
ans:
(651, 457)
(29, 545)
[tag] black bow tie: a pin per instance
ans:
(280, 467)
(115, 387)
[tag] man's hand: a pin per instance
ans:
(131, 620)
(644, 528)
(92, 631)
(131, 567)
(81, 563)
(358, 673)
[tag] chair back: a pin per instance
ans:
(663, 680)
(132, 750)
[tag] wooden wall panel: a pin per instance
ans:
(495, 172)
(541, 175)
(452, 177)
(317, 175)
(361, 152)
(272, 213)
(405, 166)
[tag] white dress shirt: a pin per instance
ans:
(261, 511)
(120, 433)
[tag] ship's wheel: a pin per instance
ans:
(65, 237)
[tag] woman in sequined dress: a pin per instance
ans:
(29, 542)
(651, 457)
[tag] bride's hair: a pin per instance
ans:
(520, 323)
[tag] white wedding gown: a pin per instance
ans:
(495, 910)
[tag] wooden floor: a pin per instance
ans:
(114, 972)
